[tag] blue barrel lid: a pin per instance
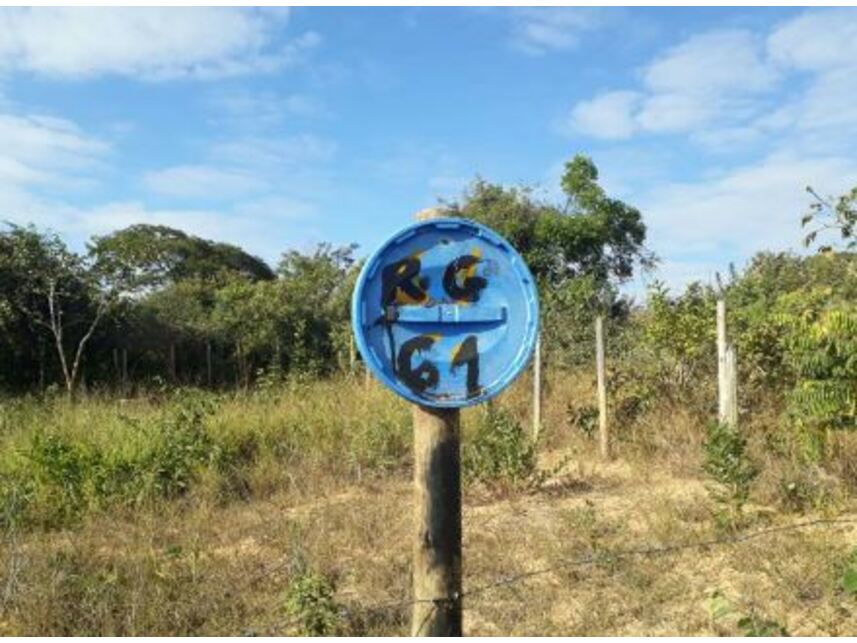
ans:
(445, 313)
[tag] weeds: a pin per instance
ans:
(310, 603)
(727, 462)
(500, 453)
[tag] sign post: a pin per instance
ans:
(445, 313)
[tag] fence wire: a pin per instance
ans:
(589, 559)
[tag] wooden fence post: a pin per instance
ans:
(721, 359)
(537, 389)
(603, 430)
(437, 609)
(727, 372)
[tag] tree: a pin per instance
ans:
(578, 252)
(318, 287)
(839, 215)
(55, 290)
(592, 234)
(144, 257)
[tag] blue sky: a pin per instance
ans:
(280, 128)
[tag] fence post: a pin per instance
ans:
(437, 528)
(721, 359)
(727, 372)
(537, 389)
(603, 430)
(352, 358)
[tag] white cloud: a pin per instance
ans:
(711, 78)
(817, 40)
(608, 115)
(726, 88)
(711, 64)
(744, 209)
(38, 149)
(537, 31)
(274, 153)
(153, 43)
(203, 182)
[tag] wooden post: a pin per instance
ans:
(727, 372)
(721, 360)
(437, 534)
(537, 389)
(730, 402)
(352, 357)
(437, 529)
(603, 435)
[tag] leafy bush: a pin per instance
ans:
(500, 451)
(583, 417)
(55, 479)
(727, 463)
(823, 351)
(311, 605)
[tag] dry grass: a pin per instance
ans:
(209, 563)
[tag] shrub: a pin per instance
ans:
(500, 452)
(311, 605)
(726, 461)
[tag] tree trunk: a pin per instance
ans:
(124, 370)
(41, 364)
(172, 364)
(208, 362)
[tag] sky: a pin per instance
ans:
(282, 128)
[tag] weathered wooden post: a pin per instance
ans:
(445, 314)
(727, 372)
(603, 430)
(537, 389)
(437, 515)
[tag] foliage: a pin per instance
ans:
(500, 452)
(311, 604)
(727, 462)
(143, 257)
(61, 462)
(755, 625)
(592, 235)
(55, 292)
(55, 479)
(681, 330)
(848, 577)
(577, 252)
(839, 215)
(822, 350)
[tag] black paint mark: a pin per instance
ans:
(425, 376)
(467, 354)
(403, 276)
(470, 287)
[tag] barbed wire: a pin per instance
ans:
(589, 559)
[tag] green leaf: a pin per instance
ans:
(849, 581)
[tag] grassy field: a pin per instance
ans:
(288, 509)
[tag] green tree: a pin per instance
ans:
(55, 291)
(143, 257)
(592, 234)
(579, 252)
